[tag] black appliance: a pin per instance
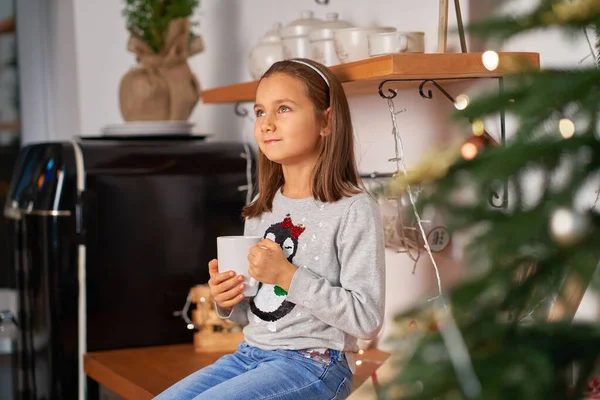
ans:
(107, 237)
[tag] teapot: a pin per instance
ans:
(268, 51)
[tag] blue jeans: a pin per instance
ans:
(251, 374)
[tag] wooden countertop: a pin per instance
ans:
(143, 373)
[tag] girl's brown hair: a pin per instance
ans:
(335, 175)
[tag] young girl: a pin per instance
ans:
(321, 263)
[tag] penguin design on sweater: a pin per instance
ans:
(270, 302)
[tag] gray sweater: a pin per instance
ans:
(337, 294)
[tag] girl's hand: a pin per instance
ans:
(268, 264)
(225, 288)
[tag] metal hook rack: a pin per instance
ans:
(429, 94)
(239, 110)
(392, 93)
(322, 2)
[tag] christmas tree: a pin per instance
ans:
(507, 332)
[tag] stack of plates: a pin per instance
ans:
(148, 128)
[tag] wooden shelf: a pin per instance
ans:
(7, 25)
(364, 77)
(10, 126)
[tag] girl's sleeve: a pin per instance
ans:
(238, 314)
(357, 307)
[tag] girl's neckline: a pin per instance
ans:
(303, 199)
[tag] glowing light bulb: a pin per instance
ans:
(568, 227)
(190, 326)
(566, 127)
(478, 127)
(358, 362)
(490, 59)
(461, 102)
(202, 299)
(469, 151)
(361, 352)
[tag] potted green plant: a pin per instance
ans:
(161, 87)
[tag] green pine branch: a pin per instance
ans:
(150, 19)
(501, 28)
(539, 98)
(527, 362)
(518, 268)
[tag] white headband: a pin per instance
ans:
(313, 68)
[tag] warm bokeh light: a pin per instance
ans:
(478, 127)
(461, 102)
(566, 128)
(490, 59)
(469, 151)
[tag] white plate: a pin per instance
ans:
(149, 128)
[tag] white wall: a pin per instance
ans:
(88, 79)
(64, 65)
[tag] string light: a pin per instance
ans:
(568, 227)
(566, 127)
(358, 362)
(469, 151)
(401, 167)
(413, 252)
(562, 221)
(478, 127)
(490, 59)
(461, 102)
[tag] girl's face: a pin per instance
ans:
(286, 128)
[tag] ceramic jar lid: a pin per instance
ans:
(302, 26)
(326, 29)
(274, 35)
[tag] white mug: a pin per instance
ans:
(232, 253)
(396, 42)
